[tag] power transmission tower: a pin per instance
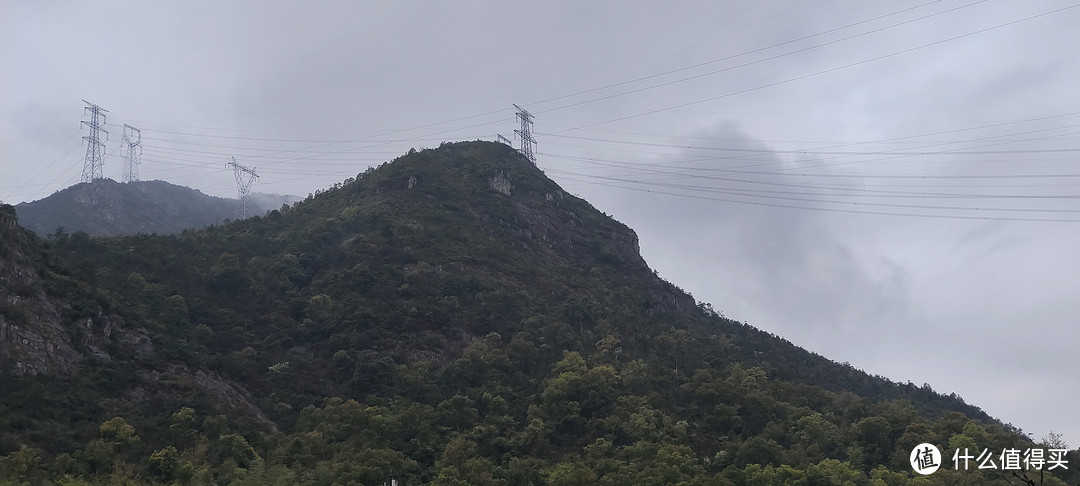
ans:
(245, 178)
(95, 149)
(134, 151)
(503, 139)
(525, 134)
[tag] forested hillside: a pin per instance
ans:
(452, 317)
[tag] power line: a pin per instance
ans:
(478, 115)
(893, 154)
(829, 175)
(841, 210)
(660, 175)
(853, 153)
(841, 191)
(818, 73)
(700, 64)
(759, 61)
(273, 155)
(42, 170)
(334, 142)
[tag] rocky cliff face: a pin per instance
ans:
(39, 336)
(35, 335)
(32, 336)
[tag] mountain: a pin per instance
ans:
(105, 207)
(451, 317)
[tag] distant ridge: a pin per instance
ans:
(105, 207)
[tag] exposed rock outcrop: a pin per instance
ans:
(32, 336)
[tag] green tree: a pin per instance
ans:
(758, 450)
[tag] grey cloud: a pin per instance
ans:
(788, 271)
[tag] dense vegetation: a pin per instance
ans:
(451, 318)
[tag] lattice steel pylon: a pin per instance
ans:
(94, 162)
(134, 151)
(525, 138)
(245, 178)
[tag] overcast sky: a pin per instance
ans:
(891, 184)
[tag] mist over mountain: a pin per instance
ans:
(105, 207)
(451, 317)
(262, 202)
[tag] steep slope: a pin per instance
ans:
(452, 317)
(32, 337)
(66, 346)
(107, 208)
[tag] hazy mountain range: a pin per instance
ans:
(105, 207)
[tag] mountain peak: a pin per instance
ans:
(506, 192)
(473, 195)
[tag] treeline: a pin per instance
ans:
(589, 421)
